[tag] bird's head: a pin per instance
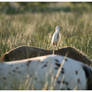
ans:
(58, 28)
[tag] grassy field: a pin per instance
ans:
(36, 28)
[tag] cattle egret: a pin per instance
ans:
(55, 37)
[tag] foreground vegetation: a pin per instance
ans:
(35, 27)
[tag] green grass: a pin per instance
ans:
(36, 29)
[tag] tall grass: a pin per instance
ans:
(36, 29)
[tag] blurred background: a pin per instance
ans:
(33, 24)
(34, 7)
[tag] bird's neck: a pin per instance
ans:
(57, 31)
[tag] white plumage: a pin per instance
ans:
(55, 37)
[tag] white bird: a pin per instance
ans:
(55, 37)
